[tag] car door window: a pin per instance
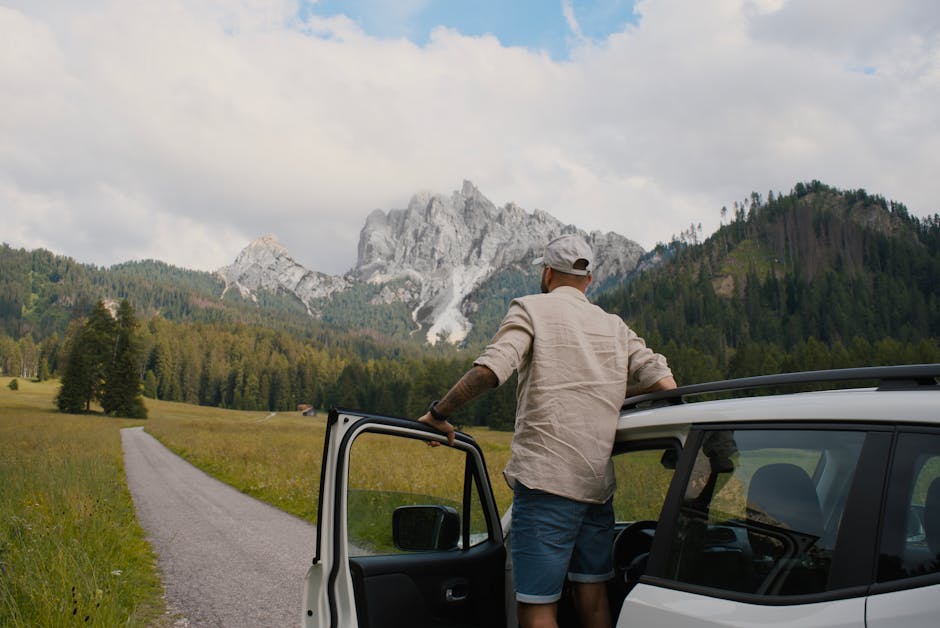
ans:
(910, 542)
(762, 509)
(387, 472)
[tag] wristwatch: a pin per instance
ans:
(434, 413)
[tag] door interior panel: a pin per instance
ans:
(456, 589)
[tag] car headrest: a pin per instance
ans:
(783, 495)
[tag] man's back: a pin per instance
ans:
(573, 361)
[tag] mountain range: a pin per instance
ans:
(812, 279)
(845, 268)
(438, 259)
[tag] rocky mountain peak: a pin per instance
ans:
(266, 265)
(268, 243)
(444, 247)
(432, 256)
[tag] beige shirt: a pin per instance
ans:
(575, 363)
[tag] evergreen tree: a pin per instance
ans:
(99, 344)
(150, 385)
(90, 351)
(43, 373)
(75, 393)
(122, 387)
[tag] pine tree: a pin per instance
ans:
(150, 384)
(99, 344)
(75, 393)
(89, 353)
(121, 394)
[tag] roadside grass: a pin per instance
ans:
(275, 457)
(71, 550)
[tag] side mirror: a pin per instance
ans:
(425, 528)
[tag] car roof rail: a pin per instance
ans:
(906, 377)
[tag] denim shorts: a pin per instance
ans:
(555, 536)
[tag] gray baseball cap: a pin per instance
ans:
(564, 251)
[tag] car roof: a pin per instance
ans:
(906, 394)
(855, 405)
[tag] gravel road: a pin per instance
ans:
(227, 559)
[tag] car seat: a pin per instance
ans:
(784, 523)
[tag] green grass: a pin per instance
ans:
(276, 457)
(642, 482)
(71, 550)
(370, 515)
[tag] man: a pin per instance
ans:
(576, 364)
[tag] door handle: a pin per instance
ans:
(456, 591)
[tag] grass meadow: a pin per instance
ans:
(276, 457)
(71, 550)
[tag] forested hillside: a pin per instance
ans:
(814, 279)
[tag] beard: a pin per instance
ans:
(543, 282)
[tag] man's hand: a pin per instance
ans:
(477, 380)
(441, 426)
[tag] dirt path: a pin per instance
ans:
(227, 559)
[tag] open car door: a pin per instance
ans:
(407, 534)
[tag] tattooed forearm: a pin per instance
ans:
(474, 382)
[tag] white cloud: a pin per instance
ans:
(567, 9)
(182, 129)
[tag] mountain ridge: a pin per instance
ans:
(815, 262)
(431, 256)
(815, 279)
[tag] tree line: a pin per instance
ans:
(240, 367)
(249, 368)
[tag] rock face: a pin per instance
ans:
(266, 265)
(431, 256)
(447, 245)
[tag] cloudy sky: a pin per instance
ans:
(182, 129)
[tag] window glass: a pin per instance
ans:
(910, 542)
(762, 509)
(643, 478)
(386, 472)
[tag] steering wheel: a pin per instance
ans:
(631, 546)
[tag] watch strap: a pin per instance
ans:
(434, 413)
